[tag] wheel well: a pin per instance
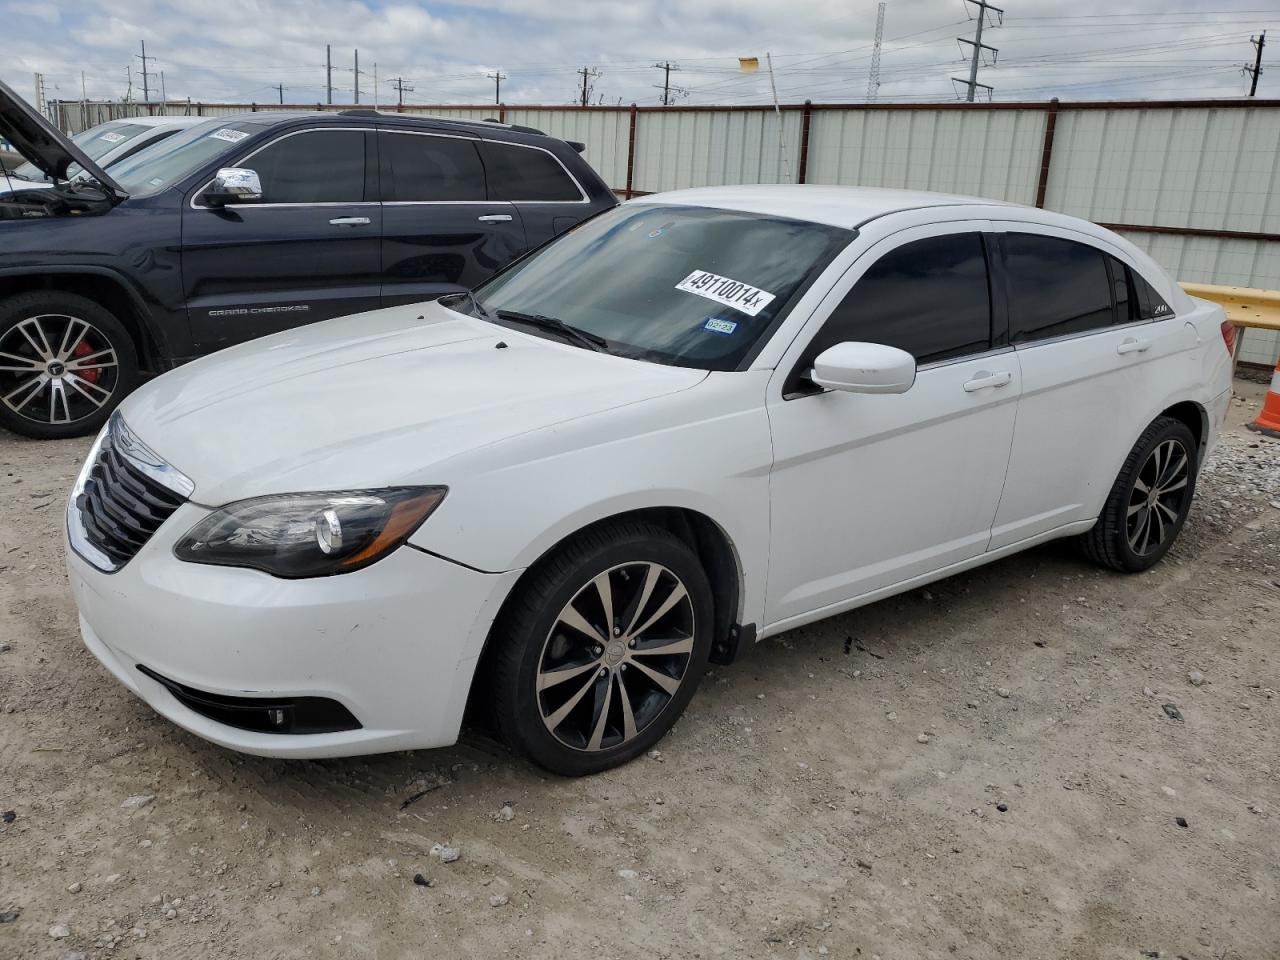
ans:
(102, 290)
(1194, 416)
(702, 534)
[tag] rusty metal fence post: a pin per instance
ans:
(803, 166)
(631, 153)
(1046, 155)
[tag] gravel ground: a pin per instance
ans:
(981, 769)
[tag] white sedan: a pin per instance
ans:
(105, 144)
(697, 420)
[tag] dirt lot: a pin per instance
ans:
(795, 812)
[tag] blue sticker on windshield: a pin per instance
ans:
(716, 325)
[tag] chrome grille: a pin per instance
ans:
(122, 497)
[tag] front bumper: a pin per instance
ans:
(395, 643)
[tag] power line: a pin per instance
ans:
(978, 46)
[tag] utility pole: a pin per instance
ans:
(588, 73)
(873, 77)
(328, 73)
(280, 88)
(401, 87)
(978, 46)
(164, 96)
(146, 88)
(666, 68)
(375, 84)
(356, 74)
(1255, 71)
(128, 72)
(497, 77)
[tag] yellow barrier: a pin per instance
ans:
(1245, 306)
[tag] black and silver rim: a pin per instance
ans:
(1158, 498)
(615, 656)
(56, 369)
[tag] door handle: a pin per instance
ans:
(984, 381)
(350, 222)
(1130, 345)
(495, 218)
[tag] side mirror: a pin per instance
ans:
(864, 368)
(234, 185)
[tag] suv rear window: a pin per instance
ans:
(526, 173)
(424, 167)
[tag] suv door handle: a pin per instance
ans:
(350, 222)
(1130, 345)
(984, 381)
(495, 218)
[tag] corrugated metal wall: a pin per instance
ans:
(1201, 169)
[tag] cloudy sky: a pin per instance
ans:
(238, 50)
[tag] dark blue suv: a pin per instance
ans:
(246, 225)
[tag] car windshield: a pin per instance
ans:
(163, 164)
(687, 286)
(95, 142)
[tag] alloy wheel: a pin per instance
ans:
(56, 369)
(1158, 497)
(615, 656)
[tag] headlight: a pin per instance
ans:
(309, 534)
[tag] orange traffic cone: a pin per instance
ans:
(1268, 422)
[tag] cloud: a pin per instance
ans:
(238, 50)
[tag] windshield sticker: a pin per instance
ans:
(112, 137)
(716, 325)
(231, 136)
(732, 293)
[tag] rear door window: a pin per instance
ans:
(526, 174)
(929, 297)
(1056, 287)
(422, 167)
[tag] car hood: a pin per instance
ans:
(43, 144)
(375, 399)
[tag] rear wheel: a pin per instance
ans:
(601, 649)
(1149, 501)
(65, 363)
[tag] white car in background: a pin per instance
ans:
(695, 420)
(105, 144)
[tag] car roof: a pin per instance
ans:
(268, 118)
(837, 206)
(163, 121)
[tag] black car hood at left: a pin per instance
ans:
(43, 144)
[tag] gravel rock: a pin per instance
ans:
(499, 900)
(9, 816)
(137, 801)
(59, 931)
(75, 887)
(139, 933)
(1171, 711)
(1195, 678)
(171, 914)
(1003, 692)
(446, 854)
(1002, 807)
(628, 874)
(922, 738)
(506, 814)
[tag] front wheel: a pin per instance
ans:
(65, 364)
(1149, 501)
(601, 648)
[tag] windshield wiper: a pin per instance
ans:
(477, 308)
(583, 337)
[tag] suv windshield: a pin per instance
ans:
(95, 142)
(687, 286)
(165, 163)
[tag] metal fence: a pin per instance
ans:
(1195, 183)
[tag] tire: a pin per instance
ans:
(1131, 534)
(65, 364)
(643, 675)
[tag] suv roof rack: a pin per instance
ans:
(359, 113)
(518, 128)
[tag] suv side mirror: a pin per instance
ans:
(233, 185)
(864, 368)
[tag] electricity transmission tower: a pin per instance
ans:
(972, 83)
(497, 77)
(588, 74)
(401, 88)
(668, 91)
(873, 78)
(1254, 72)
(146, 88)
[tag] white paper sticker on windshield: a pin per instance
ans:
(732, 293)
(112, 137)
(231, 136)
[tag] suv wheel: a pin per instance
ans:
(601, 649)
(1149, 501)
(65, 363)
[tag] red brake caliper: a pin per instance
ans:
(83, 350)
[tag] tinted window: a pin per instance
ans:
(929, 297)
(424, 167)
(525, 173)
(1056, 287)
(1128, 304)
(688, 286)
(1151, 306)
(322, 166)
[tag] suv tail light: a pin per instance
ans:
(1229, 334)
